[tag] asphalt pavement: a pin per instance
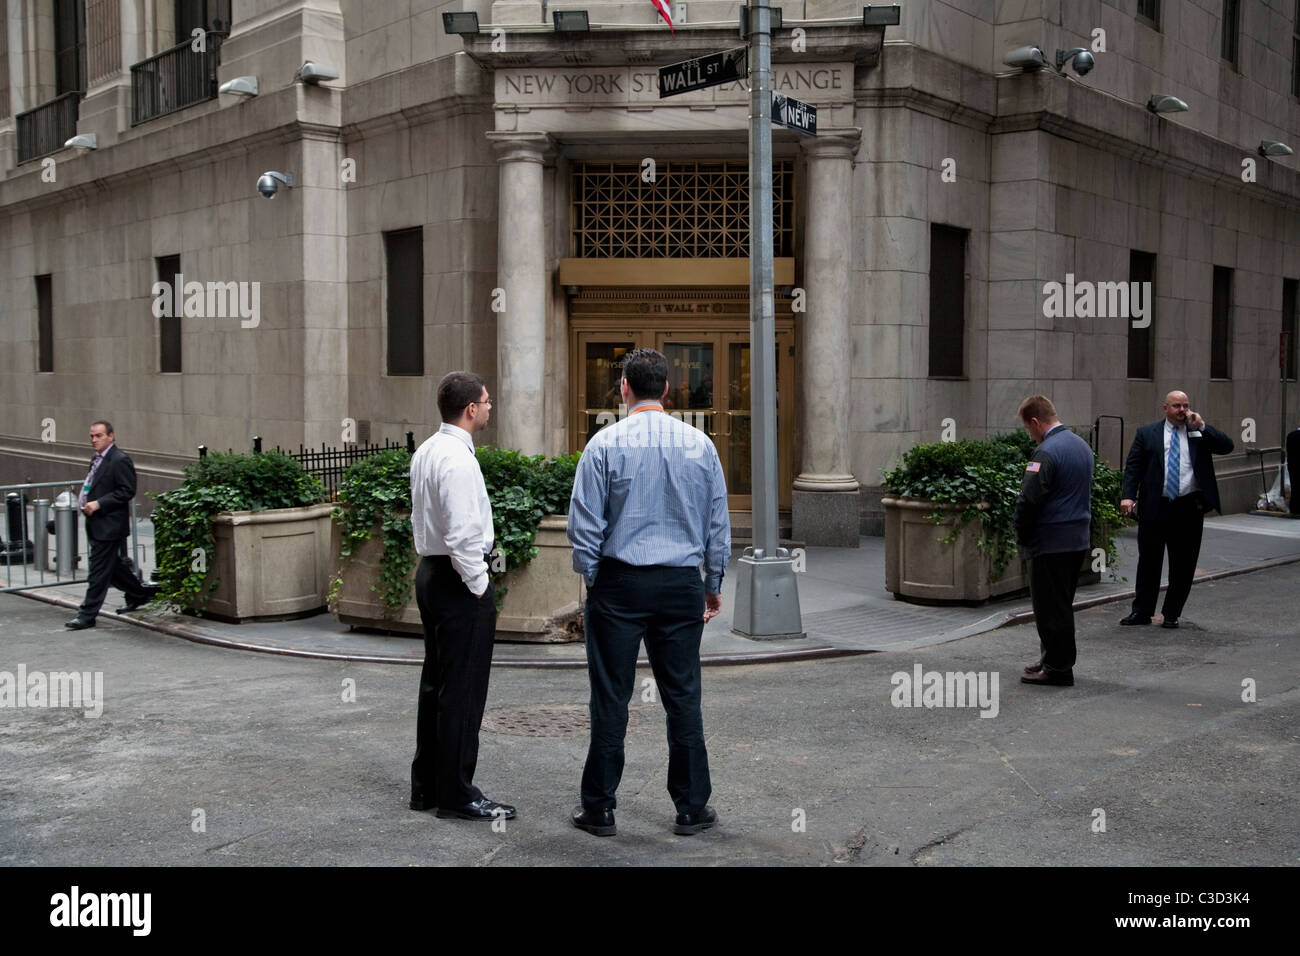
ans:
(1174, 747)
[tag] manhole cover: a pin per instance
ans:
(547, 720)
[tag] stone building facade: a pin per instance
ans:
(523, 203)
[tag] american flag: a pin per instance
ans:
(665, 12)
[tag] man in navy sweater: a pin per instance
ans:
(1053, 526)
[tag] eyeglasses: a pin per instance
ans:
(486, 401)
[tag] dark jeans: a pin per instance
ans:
(1176, 527)
(458, 634)
(1053, 579)
(108, 566)
(664, 607)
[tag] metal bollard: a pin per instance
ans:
(65, 534)
(41, 533)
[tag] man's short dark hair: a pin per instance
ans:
(455, 392)
(646, 372)
(108, 426)
(1037, 406)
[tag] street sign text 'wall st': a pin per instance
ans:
(704, 71)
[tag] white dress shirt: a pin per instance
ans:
(1186, 480)
(450, 510)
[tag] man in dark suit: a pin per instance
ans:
(1169, 482)
(105, 501)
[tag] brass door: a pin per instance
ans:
(708, 386)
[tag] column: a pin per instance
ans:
(825, 502)
(522, 281)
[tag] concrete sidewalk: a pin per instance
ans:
(845, 608)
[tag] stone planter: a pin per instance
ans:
(270, 564)
(543, 600)
(921, 569)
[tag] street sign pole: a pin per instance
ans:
(767, 596)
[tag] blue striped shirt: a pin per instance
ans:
(649, 490)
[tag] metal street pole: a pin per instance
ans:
(767, 596)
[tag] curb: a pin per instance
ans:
(1020, 617)
(196, 635)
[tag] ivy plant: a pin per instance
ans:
(377, 491)
(982, 478)
(182, 518)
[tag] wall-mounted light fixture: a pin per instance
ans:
(242, 85)
(1163, 103)
(1027, 58)
(91, 141)
(460, 23)
(888, 15)
(313, 73)
(1267, 147)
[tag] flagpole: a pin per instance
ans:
(767, 595)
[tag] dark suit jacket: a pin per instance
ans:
(113, 488)
(1144, 472)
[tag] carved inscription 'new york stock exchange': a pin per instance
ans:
(819, 83)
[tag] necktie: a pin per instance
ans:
(90, 478)
(1173, 472)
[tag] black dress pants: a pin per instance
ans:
(108, 567)
(1053, 579)
(458, 634)
(664, 607)
(1176, 527)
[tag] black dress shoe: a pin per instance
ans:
(1169, 622)
(79, 624)
(595, 822)
(1049, 678)
(134, 604)
(480, 809)
(1135, 618)
(691, 823)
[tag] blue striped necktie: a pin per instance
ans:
(1173, 473)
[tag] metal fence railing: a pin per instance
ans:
(46, 128)
(328, 464)
(44, 538)
(174, 79)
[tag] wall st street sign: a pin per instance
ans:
(704, 71)
(794, 114)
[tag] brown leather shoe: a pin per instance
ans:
(1052, 679)
(1035, 668)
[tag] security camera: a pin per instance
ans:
(1082, 60)
(1027, 58)
(268, 183)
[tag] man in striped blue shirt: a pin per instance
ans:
(649, 507)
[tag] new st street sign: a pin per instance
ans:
(704, 71)
(794, 114)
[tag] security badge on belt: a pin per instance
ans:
(1033, 466)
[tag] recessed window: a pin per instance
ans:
(44, 324)
(404, 283)
(1231, 31)
(947, 301)
(1149, 10)
(1221, 325)
(1141, 269)
(1288, 342)
(169, 326)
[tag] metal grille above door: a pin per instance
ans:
(690, 209)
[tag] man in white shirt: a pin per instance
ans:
(451, 521)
